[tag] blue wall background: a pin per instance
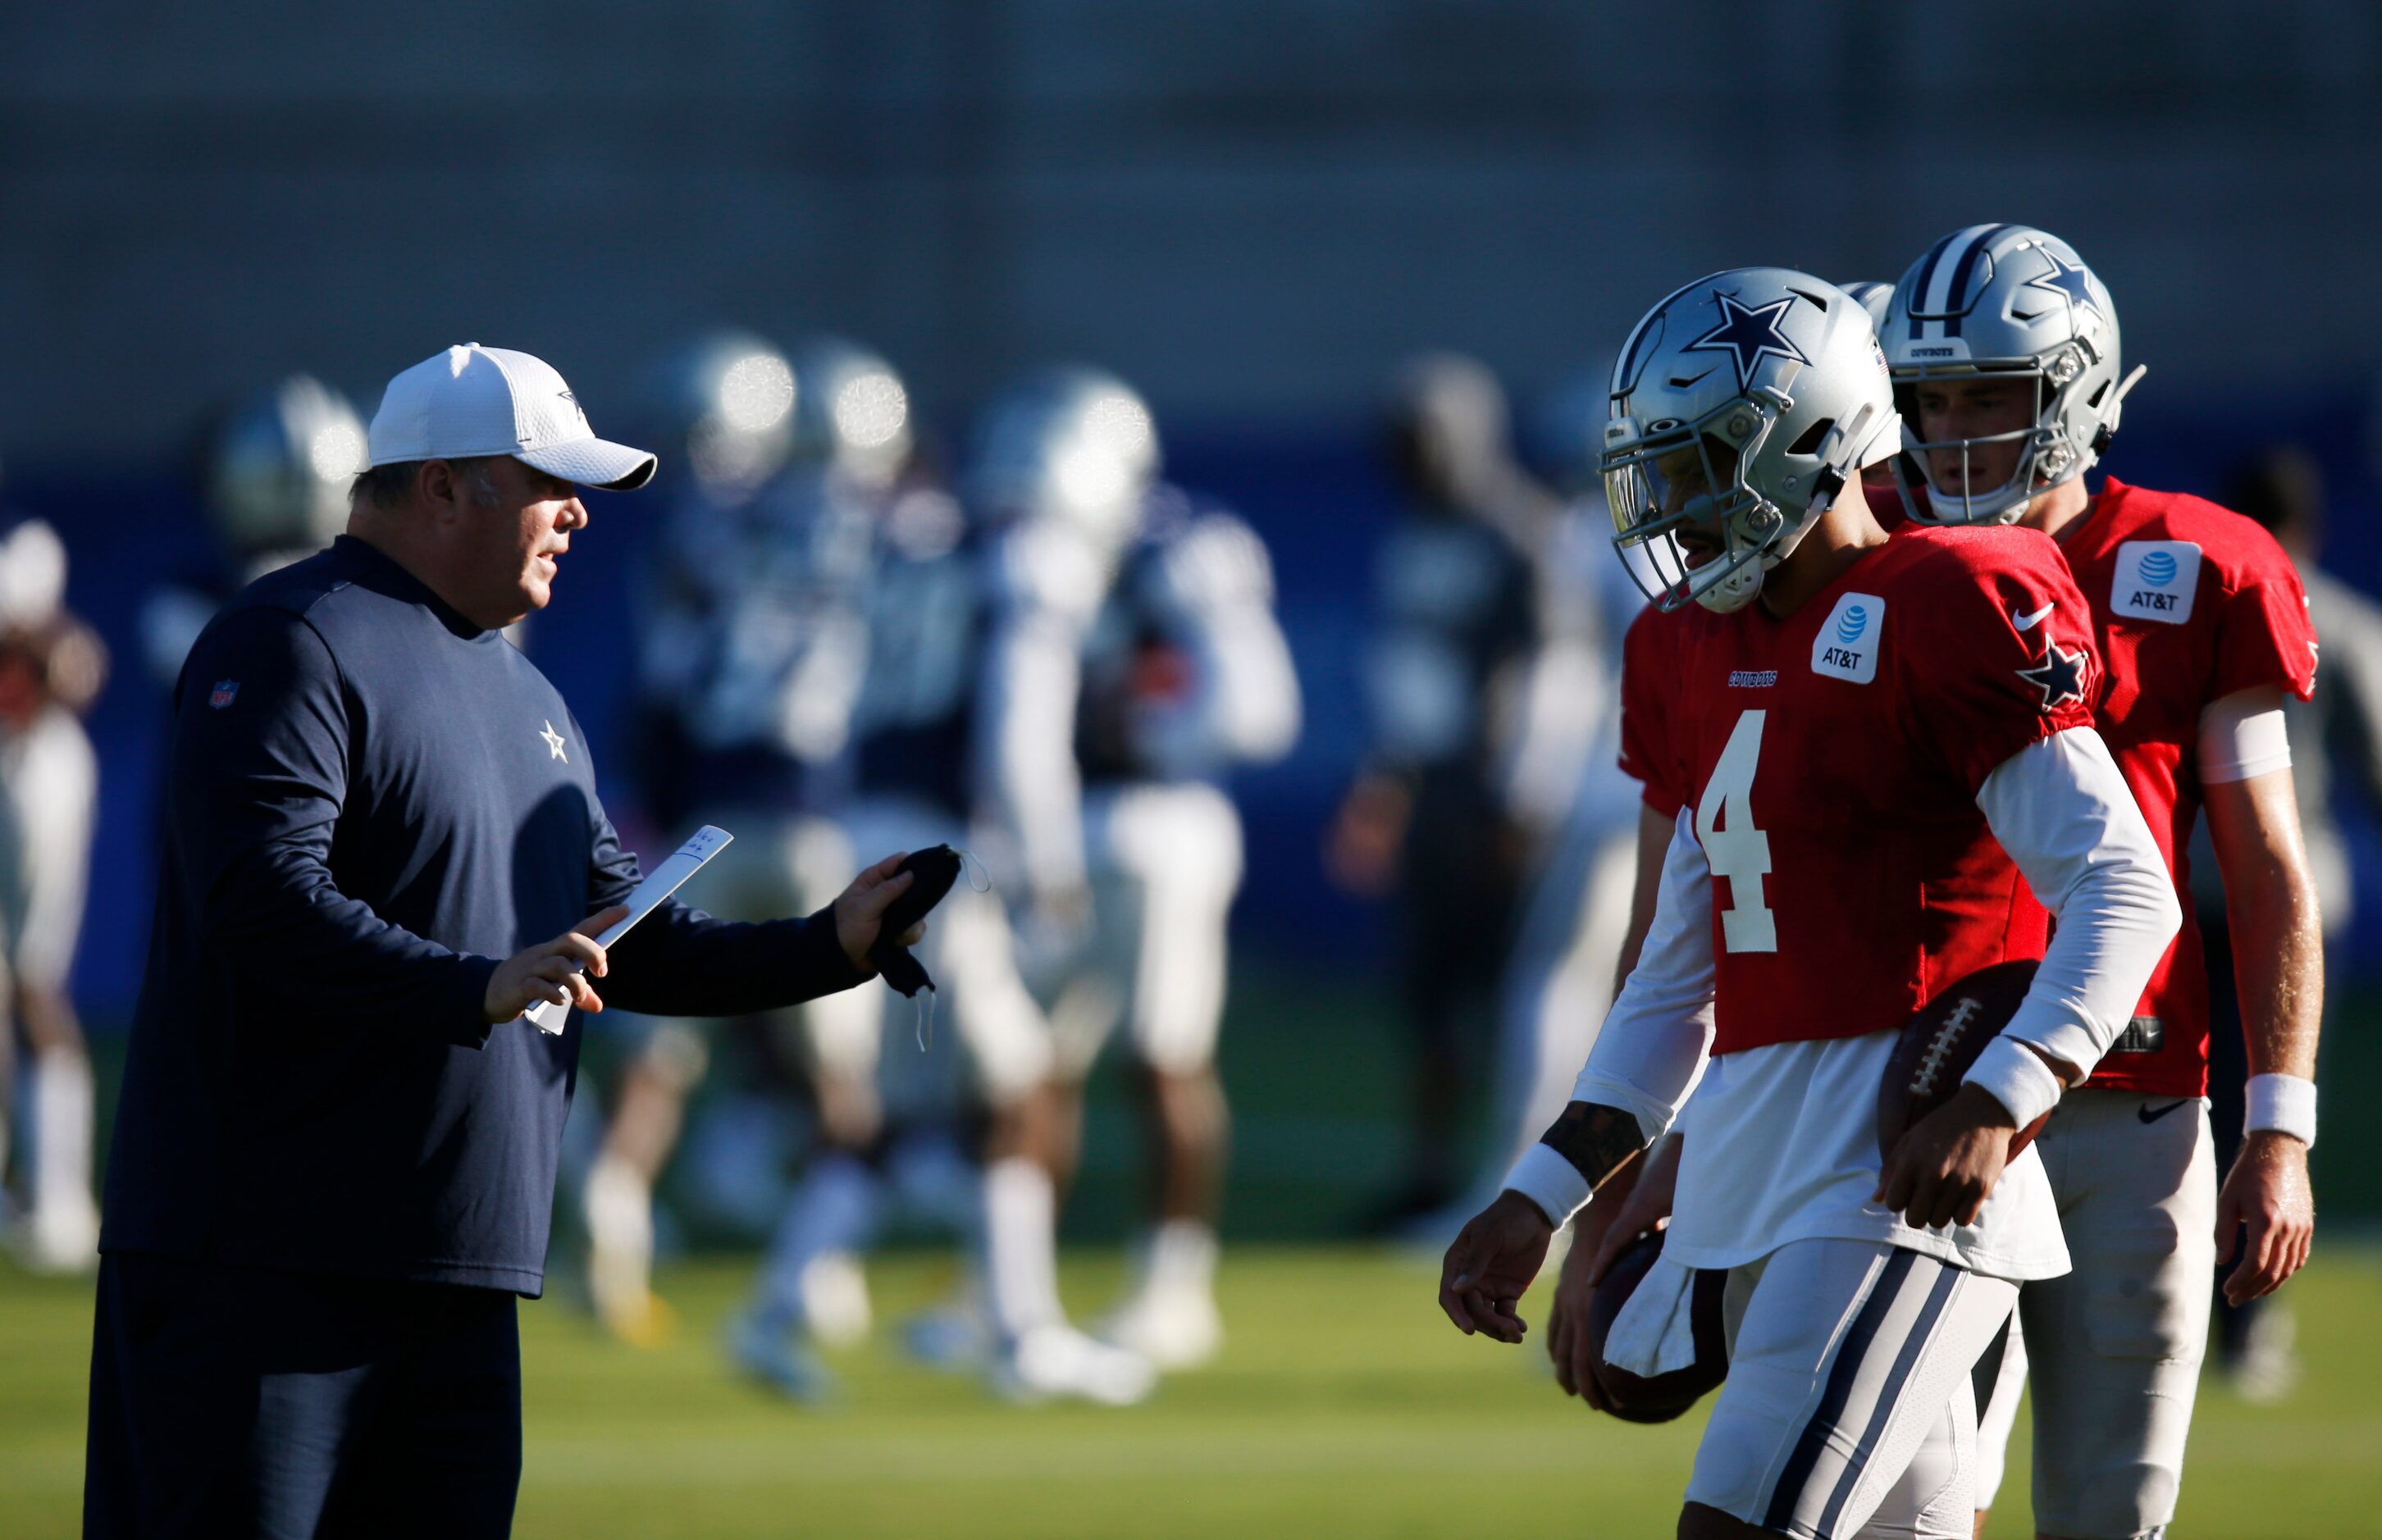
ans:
(1317, 496)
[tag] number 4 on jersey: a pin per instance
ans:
(1735, 849)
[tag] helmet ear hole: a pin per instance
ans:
(2096, 398)
(1808, 442)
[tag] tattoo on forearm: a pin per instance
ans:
(1598, 1139)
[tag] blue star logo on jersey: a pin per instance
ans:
(2070, 282)
(1748, 332)
(2061, 675)
(554, 742)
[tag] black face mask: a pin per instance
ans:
(932, 871)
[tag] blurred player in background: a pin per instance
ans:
(52, 666)
(2007, 370)
(1561, 973)
(751, 650)
(958, 619)
(274, 484)
(2282, 490)
(1434, 818)
(1180, 674)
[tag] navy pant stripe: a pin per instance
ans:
(1987, 1375)
(1841, 1378)
(1947, 1280)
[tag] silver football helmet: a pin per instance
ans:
(1071, 443)
(729, 398)
(852, 412)
(1875, 297)
(280, 473)
(2009, 302)
(1741, 406)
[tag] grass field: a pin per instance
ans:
(1343, 1406)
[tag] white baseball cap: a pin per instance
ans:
(470, 400)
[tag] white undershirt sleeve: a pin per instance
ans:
(1658, 1035)
(2242, 736)
(2066, 816)
(1656, 1038)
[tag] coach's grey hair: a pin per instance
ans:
(387, 486)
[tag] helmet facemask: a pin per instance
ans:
(2046, 456)
(1672, 485)
(1740, 407)
(2005, 302)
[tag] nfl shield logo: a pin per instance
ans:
(224, 693)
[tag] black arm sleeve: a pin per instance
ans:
(257, 784)
(680, 961)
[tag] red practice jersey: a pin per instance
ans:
(1648, 682)
(1648, 754)
(1833, 761)
(2191, 603)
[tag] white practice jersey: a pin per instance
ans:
(755, 636)
(51, 776)
(1162, 662)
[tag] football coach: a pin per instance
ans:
(334, 1159)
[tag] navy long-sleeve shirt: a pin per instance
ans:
(371, 802)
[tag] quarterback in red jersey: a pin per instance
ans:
(1645, 689)
(1870, 748)
(2007, 366)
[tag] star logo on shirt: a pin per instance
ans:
(2061, 675)
(553, 741)
(1748, 333)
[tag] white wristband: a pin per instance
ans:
(2282, 1103)
(2016, 1076)
(1550, 1181)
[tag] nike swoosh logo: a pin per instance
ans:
(2149, 1116)
(2028, 623)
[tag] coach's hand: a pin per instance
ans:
(2265, 1193)
(1946, 1163)
(860, 910)
(1492, 1262)
(551, 971)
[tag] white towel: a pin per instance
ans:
(1655, 1333)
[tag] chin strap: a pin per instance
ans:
(1844, 441)
(1853, 432)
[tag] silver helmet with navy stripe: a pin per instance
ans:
(1875, 297)
(726, 399)
(280, 473)
(2010, 307)
(852, 411)
(1073, 443)
(1741, 406)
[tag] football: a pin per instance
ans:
(1632, 1397)
(1940, 1041)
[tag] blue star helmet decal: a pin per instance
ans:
(2068, 280)
(2061, 675)
(1748, 334)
